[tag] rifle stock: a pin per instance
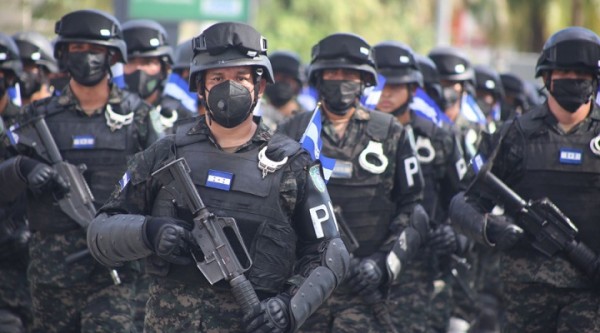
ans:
(220, 261)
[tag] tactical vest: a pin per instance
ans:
(564, 169)
(231, 185)
(88, 141)
(364, 197)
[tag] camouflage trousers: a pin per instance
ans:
(183, 308)
(410, 298)
(138, 303)
(534, 307)
(82, 308)
(343, 313)
(76, 297)
(15, 303)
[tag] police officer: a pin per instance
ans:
(443, 167)
(148, 66)
(95, 124)
(376, 184)
(489, 93)
(178, 86)
(11, 69)
(38, 63)
(15, 302)
(515, 102)
(547, 294)
(281, 205)
(456, 74)
(281, 101)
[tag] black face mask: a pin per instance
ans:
(86, 68)
(570, 94)
(485, 108)
(2, 87)
(30, 83)
(279, 93)
(339, 95)
(229, 103)
(450, 97)
(142, 83)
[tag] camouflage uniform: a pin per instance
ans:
(345, 311)
(186, 300)
(547, 294)
(15, 301)
(80, 296)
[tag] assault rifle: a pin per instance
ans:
(550, 230)
(78, 203)
(213, 234)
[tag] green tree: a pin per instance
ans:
(298, 25)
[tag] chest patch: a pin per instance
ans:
(571, 156)
(220, 180)
(342, 169)
(84, 142)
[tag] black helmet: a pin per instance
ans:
(229, 44)
(515, 86)
(487, 79)
(431, 76)
(289, 63)
(183, 55)
(36, 48)
(572, 48)
(452, 64)
(147, 38)
(9, 56)
(343, 50)
(90, 26)
(396, 62)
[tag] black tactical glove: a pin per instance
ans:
(442, 240)
(502, 232)
(41, 177)
(367, 274)
(270, 316)
(169, 239)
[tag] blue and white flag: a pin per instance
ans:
(178, 88)
(470, 110)
(308, 98)
(371, 95)
(311, 141)
(14, 93)
(118, 77)
(425, 107)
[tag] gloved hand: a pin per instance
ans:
(442, 240)
(169, 239)
(270, 316)
(41, 177)
(502, 232)
(367, 274)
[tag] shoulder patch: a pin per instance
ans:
(315, 176)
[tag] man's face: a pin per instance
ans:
(341, 74)
(392, 97)
(149, 65)
(239, 74)
(289, 80)
(558, 74)
(87, 47)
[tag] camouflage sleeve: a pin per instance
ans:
(135, 192)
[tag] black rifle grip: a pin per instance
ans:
(244, 293)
